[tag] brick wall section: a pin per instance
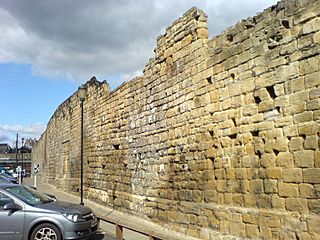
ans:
(218, 138)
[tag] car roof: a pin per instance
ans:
(4, 185)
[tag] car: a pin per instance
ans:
(11, 173)
(26, 214)
(9, 177)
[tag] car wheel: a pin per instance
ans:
(46, 231)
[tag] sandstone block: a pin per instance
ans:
(265, 232)
(303, 117)
(296, 144)
(285, 159)
(313, 104)
(270, 186)
(312, 142)
(241, 173)
(290, 131)
(237, 229)
(316, 115)
(268, 160)
(250, 200)
(274, 172)
(252, 231)
(288, 190)
(202, 33)
(313, 223)
(299, 97)
(312, 80)
(277, 202)
(304, 158)
(307, 190)
(256, 186)
(311, 175)
(296, 108)
(311, 128)
(317, 159)
(292, 175)
(297, 204)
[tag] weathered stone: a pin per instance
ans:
(311, 175)
(288, 190)
(304, 158)
(297, 205)
(307, 190)
(292, 175)
(216, 138)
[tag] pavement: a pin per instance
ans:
(107, 231)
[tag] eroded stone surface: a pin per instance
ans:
(218, 138)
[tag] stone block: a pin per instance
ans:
(297, 205)
(252, 231)
(241, 173)
(265, 232)
(290, 131)
(312, 80)
(304, 158)
(313, 223)
(296, 108)
(268, 160)
(256, 186)
(288, 190)
(303, 117)
(314, 206)
(277, 202)
(237, 229)
(315, 93)
(307, 190)
(311, 128)
(312, 142)
(317, 159)
(313, 105)
(250, 200)
(274, 172)
(292, 175)
(311, 175)
(299, 97)
(285, 160)
(270, 186)
(311, 26)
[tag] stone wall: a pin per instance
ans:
(218, 138)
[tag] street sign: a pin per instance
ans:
(36, 168)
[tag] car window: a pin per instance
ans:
(4, 199)
(28, 195)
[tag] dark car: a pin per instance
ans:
(9, 178)
(26, 214)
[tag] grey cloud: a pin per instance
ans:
(78, 39)
(8, 132)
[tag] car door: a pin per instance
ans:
(11, 222)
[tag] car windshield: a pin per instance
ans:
(28, 195)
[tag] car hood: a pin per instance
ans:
(60, 206)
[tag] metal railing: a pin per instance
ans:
(120, 225)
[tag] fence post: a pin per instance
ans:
(119, 232)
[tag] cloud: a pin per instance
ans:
(79, 39)
(8, 132)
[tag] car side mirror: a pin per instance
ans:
(11, 206)
(53, 197)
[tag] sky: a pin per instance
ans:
(49, 48)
